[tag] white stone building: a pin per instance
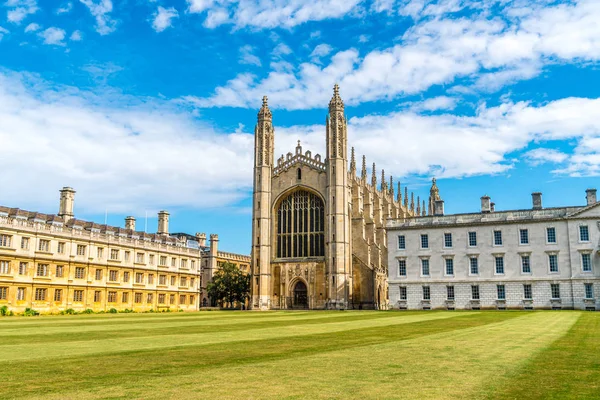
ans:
(538, 258)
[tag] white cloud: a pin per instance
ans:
(100, 10)
(76, 36)
(53, 36)
(20, 9)
(216, 17)
(66, 8)
(3, 31)
(163, 18)
(320, 51)
(363, 38)
(436, 103)
(32, 27)
(281, 50)
(247, 56)
(544, 155)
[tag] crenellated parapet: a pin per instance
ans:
(291, 159)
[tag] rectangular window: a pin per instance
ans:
(401, 242)
(172, 281)
(60, 271)
(424, 241)
(21, 294)
(425, 267)
(475, 292)
(57, 294)
(138, 298)
(40, 294)
(183, 263)
(193, 264)
(162, 260)
(5, 267)
(139, 277)
(151, 259)
(162, 279)
(447, 240)
(81, 250)
(172, 299)
(527, 292)
(401, 267)
(42, 270)
(98, 274)
(586, 262)
(150, 298)
(79, 273)
(161, 298)
(525, 265)
(125, 297)
(523, 236)
(584, 233)
(139, 258)
(112, 297)
(192, 299)
(449, 266)
(150, 279)
(78, 295)
(127, 254)
(500, 265)
(44, 245)
(114, 254)
(589, 290)
(126, 276)
(22, 268)
(426, 293)
(474, 264)
(192, 281)
(450, 292)
(5, 240)
(25, 243)
(173, 262)
(553, 262)
(551, 235)
(61, 248)
(555, 290)
(182, 299)
(472, 239)
(97, 296)
(501, 292)
(3, 293)
(497, 238)
(100, 252)
(183, 281)
(113, 275)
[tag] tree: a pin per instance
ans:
(229, 285)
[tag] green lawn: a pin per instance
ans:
(316, 355)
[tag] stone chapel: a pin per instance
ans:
(318, 228)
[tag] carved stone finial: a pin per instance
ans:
(423, 213)
(336, 103)
(405, 196)
(418, 206)
(352, 163)
(383, 182)
(412, 202)
(399, 193)
(265, 112)
(363, 173)
(374, 178)
(391, 187)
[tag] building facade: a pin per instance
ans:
(318, 229)
(52, 263)
(540, 258)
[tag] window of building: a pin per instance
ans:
(173, 261)
(523, 236)
(5, 240)
(100, 251)
(162, 279)
(184, 263)
(81, 250)
(61, 248)
(555, 290)
(192, 281)
(300, 226)
(497, 238)
(161, 298)
(126, 276)
(424, 241)
(139, 258)
(44, 245)
(472, 239)
(193, 264)
(425, 267)
(475, 292)
(500, 289)
(150, 279)
(527, 292)
(551, 235)
(584, 233)
(447, 240)
(25, 243)
(113, 275)
(183, 281)
(42, 270)
(589, 290)
(98, 274)
(586, 262)
(499, 265)
(525, 264)
(449, 266)
(3, 293)
(474, 264)
(182, 299)
(79, 272)
(401, 242)
(22, 268)
(4, 267)
(450, 292)
(112, 297)
(401, 267)
(57, 294)
(21, 294)
(40, 294)
(125, 297)
(171, 299)
(192, 299)
(150, 298)
(139, 277)
(78, 295)
(97, 296)
(60, 271)
(114, 254)
(151, 259)
(162, 260)
(426, 293)
(126, 255)
(138, 297)
(553, 262)
(172, 281)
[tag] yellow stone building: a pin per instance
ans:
(52, 263)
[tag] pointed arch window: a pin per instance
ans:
(301, 226)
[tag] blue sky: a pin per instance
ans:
(145, 105)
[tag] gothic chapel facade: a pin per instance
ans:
(318, 229)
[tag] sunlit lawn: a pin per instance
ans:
(341, 355)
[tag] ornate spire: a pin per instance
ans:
(418, 206)
(399, 193)
(336, 103)
(383, 182)
(265, 112)
(412, 202)
(352, 163)
(391, 188)
(423, 209)
(374, 178)
(434, 195)
(363, 173)
(406, 197)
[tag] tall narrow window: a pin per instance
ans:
(402, 290)
(447, 240)
(584, 233)
(426, 293)
(424, 241)
(301, 226)
(450, 292)
(472, 239)
(527, 292)
(475, 292)
(555, 290)
(525, 264)
(524, 236)
(299, 174)
(401, 242)
(501, 292)
(425, 267)
(551, 235)
(586, 262)
(449, 266)
(474, 265)
(401, 267)
(553, 262)
(499, 265)
(497, 238)
(589, 290)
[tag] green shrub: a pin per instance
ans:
(88, 311)
(30, 312)
(4, 311)
(126, 311)
(113, 311)
(70, 311)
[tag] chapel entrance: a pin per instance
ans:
(300, 295)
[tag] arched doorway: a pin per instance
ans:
(300, 295)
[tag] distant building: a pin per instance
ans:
(56, 262)
(520, 259)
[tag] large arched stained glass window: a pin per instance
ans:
(301, 226)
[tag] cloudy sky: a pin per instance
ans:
(143, 105)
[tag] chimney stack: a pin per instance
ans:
(590, 196)
(536, 198)
(492, 206)
(130, 223)
(485, 204)
(163, 223)
(438, 208)
(214, 244)
(201, 239)
(67, 201)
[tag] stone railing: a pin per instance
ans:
(233, 256)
